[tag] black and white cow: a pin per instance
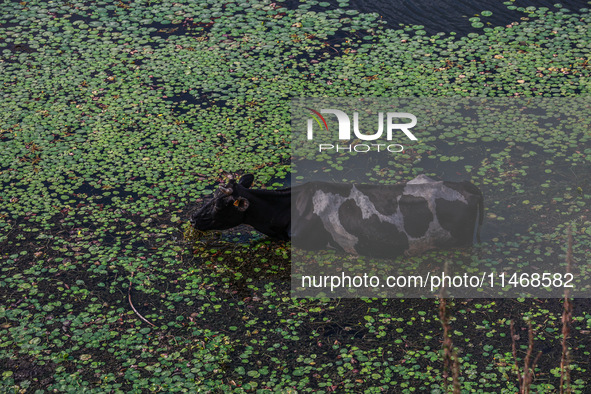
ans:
(372, 220)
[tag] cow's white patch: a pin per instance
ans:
(326, 206)
(321, 201)
(368, 209)
(420, 179)
(429, 190)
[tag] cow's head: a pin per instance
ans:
(227, 207)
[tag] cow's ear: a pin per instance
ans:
(241, 203)
(246, 180)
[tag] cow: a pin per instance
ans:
(360, 219)
(235, 203)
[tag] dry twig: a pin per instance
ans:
(133, 307)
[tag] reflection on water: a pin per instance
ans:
(444, 16)
(453, 15)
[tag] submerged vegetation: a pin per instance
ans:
(117, 117)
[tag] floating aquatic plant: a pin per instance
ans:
(117, 119)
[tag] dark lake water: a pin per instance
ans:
(449, 15)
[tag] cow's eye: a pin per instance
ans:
(220, 203)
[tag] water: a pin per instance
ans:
(446, 16)
(453, 15)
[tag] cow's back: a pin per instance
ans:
(385, 220)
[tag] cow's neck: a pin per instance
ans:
(269, 211)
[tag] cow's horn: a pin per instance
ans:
(226, 190)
